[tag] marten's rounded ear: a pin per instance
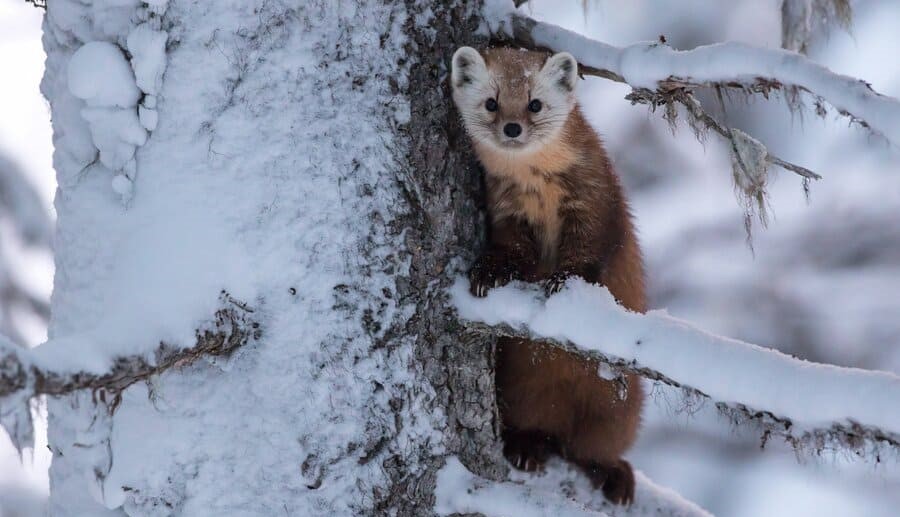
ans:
(467, 67)
(561, 70)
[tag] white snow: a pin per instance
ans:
(122, 186)
(148, 117)
(148, 57)
(157, 6)
(715, 282)
(100, 75)
(116, 134)
(250, 185)
(560, 491)
(109, 20)
(497, 15)
(810, 394)
(644, 65)
(26, 230)
(458, 491)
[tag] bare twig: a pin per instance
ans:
(686, 98)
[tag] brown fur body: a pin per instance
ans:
(554, 213)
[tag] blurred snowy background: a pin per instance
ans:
(27, 183)
(823, 283)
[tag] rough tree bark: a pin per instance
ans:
(445, 229)
(351, 400)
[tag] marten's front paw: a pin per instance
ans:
(527, 450)
(617, 481)
(555, 283)
(485, 275)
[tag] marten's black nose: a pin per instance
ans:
(512, 130)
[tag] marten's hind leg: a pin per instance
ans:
(606, 430)
(528, 450)
(534, 399)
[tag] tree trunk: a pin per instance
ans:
(307, 160)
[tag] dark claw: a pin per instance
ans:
(555, 283)
(527, 450)
(616, 480)
(485, 275)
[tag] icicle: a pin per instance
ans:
(15, 412)
(15, 418)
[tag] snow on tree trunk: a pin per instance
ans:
(302, 157)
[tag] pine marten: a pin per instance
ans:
(556, 210)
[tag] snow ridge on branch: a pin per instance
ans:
(560, 491)
(658, 67)
(809, 405)
(21, 379)
(662, 76)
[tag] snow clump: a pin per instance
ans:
(100, 75)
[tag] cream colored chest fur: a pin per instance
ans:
(538, 197)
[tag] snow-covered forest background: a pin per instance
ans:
(25, 160)
(821, 284)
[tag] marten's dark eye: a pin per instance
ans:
(491, 104)
(535, 105)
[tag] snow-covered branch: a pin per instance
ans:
(661, 75)
(560, 491)
(807, 404)
(658, 67)
(23, 377)
(701, 121)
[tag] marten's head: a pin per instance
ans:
(513, 100)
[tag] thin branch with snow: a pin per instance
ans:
(750, 158)
(661, 75)
(807, 404)
(658, 67)
(706, 121)
(22, 378)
